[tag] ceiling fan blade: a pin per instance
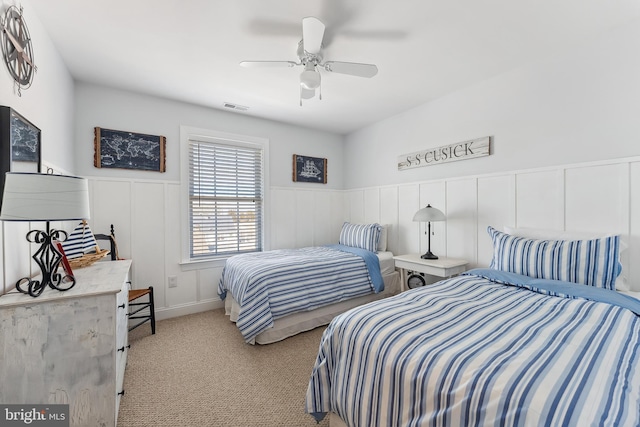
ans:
(267, 64)
(351, 68)
(307, 93)
(312, 34)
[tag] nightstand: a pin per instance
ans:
(441, 267)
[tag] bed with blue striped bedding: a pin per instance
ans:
(484, 348)
(273, 284)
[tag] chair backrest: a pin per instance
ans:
(111, 237)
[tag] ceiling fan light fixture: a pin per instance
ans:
(310, 79)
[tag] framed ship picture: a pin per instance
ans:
(309, 169)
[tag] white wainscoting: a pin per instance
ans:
(601, 197)
(598, 197)
(146, 217)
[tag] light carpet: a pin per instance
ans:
(197, 371)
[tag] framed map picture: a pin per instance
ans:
(128, 150)
(20, 142)
(309, 169)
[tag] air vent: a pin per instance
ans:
(235, 106)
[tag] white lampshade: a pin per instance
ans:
(44, 197)
(310, 78)
(429, 214)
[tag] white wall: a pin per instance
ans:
(115, 109)
(145, 206)
(575, 108)
(598, 198)
(580, 106)
(48, 104)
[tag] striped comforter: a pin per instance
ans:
(269, 285)
(469, 351)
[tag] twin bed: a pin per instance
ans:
(276, 294)
(540, 338)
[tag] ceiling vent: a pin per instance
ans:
(235, 106)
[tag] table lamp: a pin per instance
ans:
(428, 215)
(45, 197)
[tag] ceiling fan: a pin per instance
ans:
(310, 57)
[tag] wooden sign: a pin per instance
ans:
(447, 153)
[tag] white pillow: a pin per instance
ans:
(382, 243)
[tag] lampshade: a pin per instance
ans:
(44, 197)
(429, 214)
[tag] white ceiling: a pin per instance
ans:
(189, 50)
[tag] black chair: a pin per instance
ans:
(136, 306)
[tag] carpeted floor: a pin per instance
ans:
(197, 371)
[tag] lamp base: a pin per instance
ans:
(48, 258)
(429, 255)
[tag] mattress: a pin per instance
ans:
(387, 264)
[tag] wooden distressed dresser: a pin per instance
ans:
(68, 347)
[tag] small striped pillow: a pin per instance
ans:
(592, 262)
(364, 236)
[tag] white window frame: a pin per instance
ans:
(188, 133)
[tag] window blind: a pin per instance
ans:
(225, 198)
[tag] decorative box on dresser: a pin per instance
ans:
(68, 347)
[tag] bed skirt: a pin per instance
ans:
(296, 323)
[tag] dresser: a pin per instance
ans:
(69, 347)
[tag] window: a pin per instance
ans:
(225, 195)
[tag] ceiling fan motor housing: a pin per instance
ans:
(306, 57)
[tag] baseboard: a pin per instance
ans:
(189, 308)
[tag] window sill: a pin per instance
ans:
(190, 265)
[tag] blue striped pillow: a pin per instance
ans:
(363, 236)
(592, 262)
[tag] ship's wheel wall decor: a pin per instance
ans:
(17, 49)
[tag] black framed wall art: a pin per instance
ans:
(20, 145)
(309, 169)
(128, 150)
